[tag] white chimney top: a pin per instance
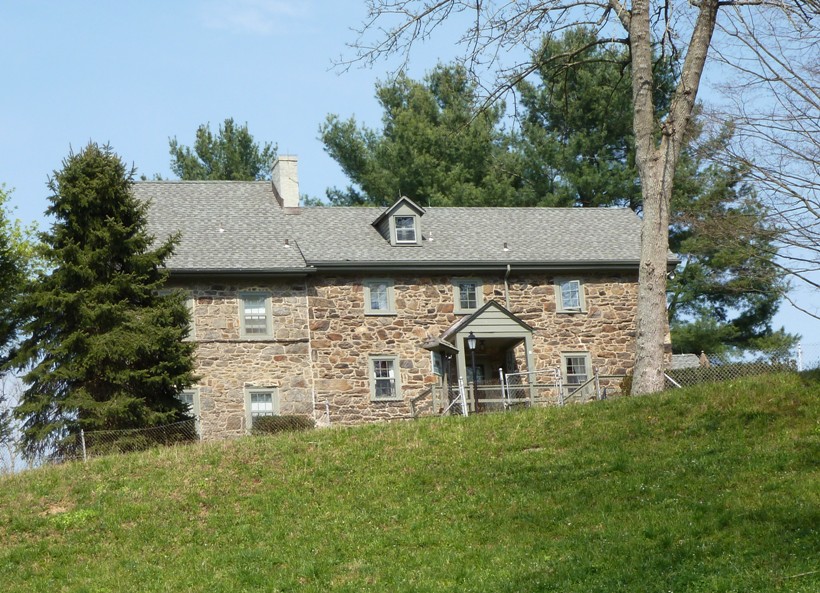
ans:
(285, 178)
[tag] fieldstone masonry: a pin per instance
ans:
(321, 339)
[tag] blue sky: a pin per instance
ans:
(134, 74)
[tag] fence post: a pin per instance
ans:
(82, 443)
(597, 384)
(505, 403)
(799, 357)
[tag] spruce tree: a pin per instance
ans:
(102, 347)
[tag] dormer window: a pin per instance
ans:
(400, 224)
(405, 229)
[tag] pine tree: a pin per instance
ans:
(231, 154)
(103, 349)
(15, 252)
(432, 147)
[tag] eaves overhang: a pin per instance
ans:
(243, 272)
(473, 266)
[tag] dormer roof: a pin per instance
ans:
(402, 202)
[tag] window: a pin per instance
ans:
(405, 229)
(259, 403)
(576, 369)
(190, 397)
(255, 316)
(478, 379)
(467, 294)
(384, 378)
(190, 302)
(378, 297)
(437, 363)
(569, 295)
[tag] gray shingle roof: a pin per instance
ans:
(254, 230)
(225, 225)
(474, 235)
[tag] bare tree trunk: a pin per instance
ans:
(656, 165)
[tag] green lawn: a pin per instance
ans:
(713, 488)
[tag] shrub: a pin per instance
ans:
(274, 424)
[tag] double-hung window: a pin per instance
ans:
(378, 295)
(405, 229)
(467, 294)
(190, 397)
(255, 316)
(259, 403)
(576, 369)
(384, 378)
(569, 295)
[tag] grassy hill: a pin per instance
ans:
(708, 489)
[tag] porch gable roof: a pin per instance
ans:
(463, 323)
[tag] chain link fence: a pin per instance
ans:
(714, 368)
(85, 445)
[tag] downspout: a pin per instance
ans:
(507, 288)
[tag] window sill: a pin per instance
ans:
(379, 313)
(571, 311)
(376, 400)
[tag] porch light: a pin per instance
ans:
(471, 341)
(471, 344)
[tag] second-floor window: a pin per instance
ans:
(405, 229)
(467, 295)
(255, 321)
(378, 295)
(569, 295)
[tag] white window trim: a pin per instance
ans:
(479, 294)
(564, 376)
(190, 301)
(437, 363)
(249, 391)
(559, 302)
(195, 407)
(391, 297)
(268, 318)
(415, 239)
(371, 373)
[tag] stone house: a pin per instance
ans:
(362, 311)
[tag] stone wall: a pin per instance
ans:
(227, 364)
(343, 337)
(322, 339)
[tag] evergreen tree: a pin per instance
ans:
(15, 256)
(102, 348)
(578, 144)
(230, 155)
(727, 289)
(432, 147)
(576, 137)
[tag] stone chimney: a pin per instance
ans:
(285, 179)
